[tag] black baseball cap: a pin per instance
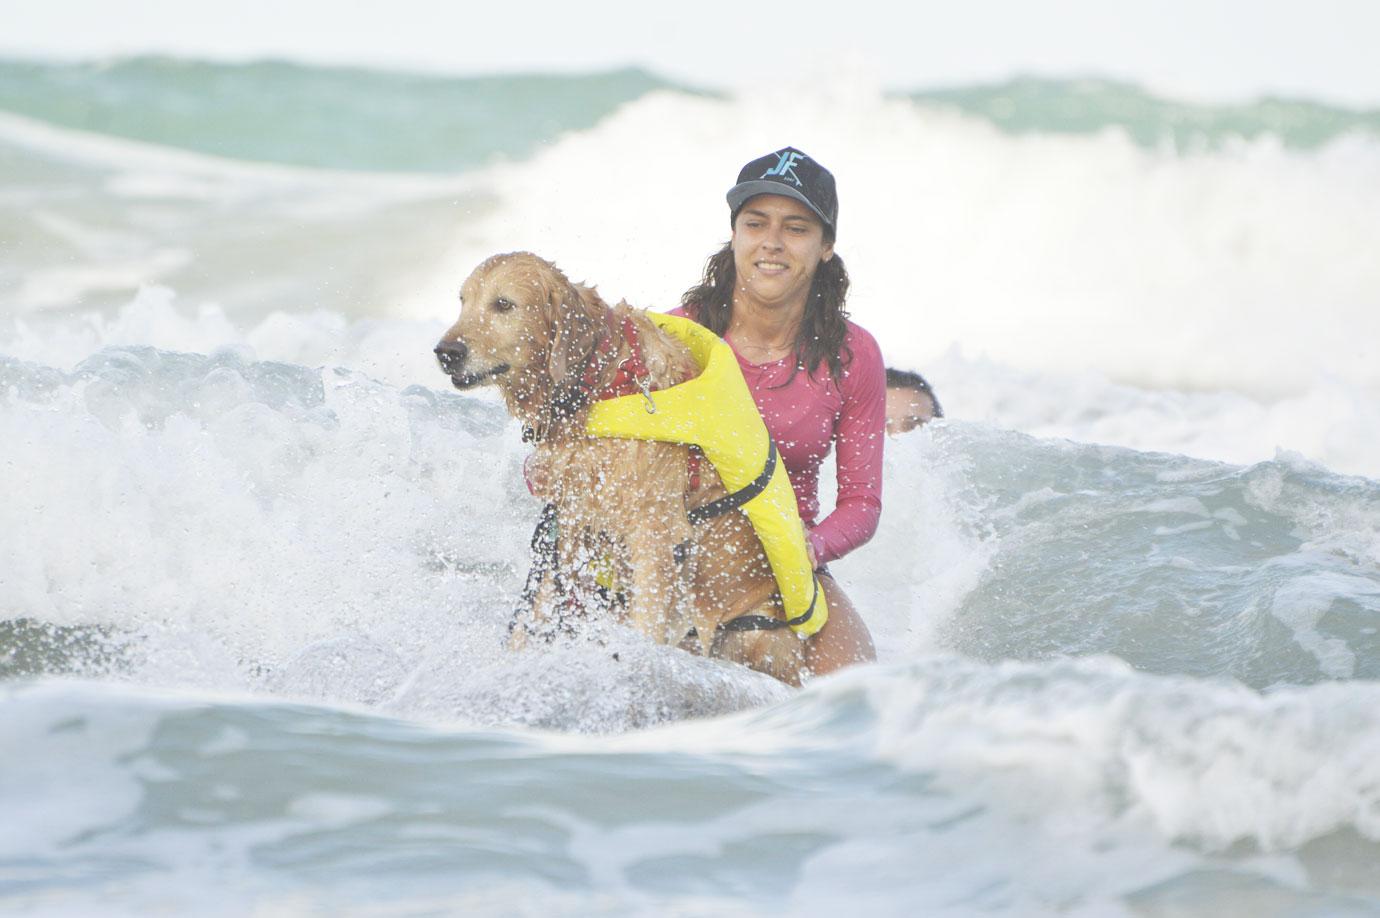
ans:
(788, 172)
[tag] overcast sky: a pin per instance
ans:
(1204, 49)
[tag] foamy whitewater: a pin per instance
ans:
(257, 558)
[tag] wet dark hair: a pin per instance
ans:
(823, 329)
(905, 379)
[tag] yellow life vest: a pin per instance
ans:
(715, 412)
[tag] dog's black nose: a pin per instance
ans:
(451, 355)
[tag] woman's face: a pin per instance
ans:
(778, 243)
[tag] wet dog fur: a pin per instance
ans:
(527, 330)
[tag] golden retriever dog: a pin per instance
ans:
(552, 347)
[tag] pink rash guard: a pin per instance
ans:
(807, 416)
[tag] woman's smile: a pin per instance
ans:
(777, 245)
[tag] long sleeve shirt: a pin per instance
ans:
(810, 416)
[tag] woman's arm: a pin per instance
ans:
(859, 437)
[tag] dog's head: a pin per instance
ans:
(523, 326)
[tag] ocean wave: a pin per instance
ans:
(942, 783)
(278, 111)
(356, 504)
(1244, 269)
(321, 117)
(257, 560)
(1031, 105)
(1268, 573)
(277, 596)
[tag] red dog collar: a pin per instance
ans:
(632, 375)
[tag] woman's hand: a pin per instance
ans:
(809, 548)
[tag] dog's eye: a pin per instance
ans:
(503, 304)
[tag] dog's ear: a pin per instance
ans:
(575, 332)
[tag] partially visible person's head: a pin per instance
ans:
(910, 401)
(791, 178)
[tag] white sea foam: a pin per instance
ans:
(206, 516)
(1016, 789)
(936, 549)
(320, 534)
(1220, 304)
(1091, 745)
(395, 351)
(1249, 268)
(1328, 423)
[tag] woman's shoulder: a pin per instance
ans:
(864, 371)
(856, 334)
(864, 347)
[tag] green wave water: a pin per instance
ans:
(325, 117)
(365, 119)
(1044, 106)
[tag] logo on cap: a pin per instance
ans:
(785, 166)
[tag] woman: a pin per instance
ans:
(776, 293)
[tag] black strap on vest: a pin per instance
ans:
(733, 502)
(804, 617)
(766, 622)
(738, 498)
(545, 537)
(751, 623)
